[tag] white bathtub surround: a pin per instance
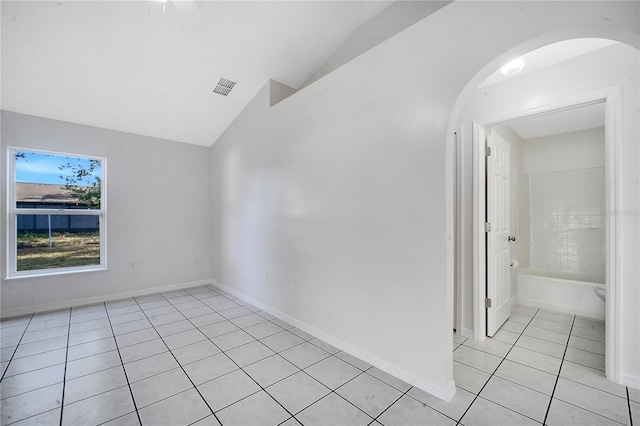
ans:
(563, 295)
(561, 222)
(567, 223)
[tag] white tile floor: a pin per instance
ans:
(541, 367)
(201, 356)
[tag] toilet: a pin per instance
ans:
(601, 292)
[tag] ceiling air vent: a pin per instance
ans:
(224, 87)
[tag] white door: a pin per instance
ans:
(498, 247)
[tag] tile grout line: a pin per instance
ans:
(494, 371)
(64, 376)
(239, 367)
(126, 376)
(585, 338)
(153, 327)
(87, 356)
(375, 419)
(189, 319)
(566, 347)
(324, 396)
(589, 352)
(16, 348)
(300, 370)
(543, 353)
(174, 357)
(35, 369)
(590, 411)
(533, 350)
(629, 406)
(582, 384)
(331, 391)
(256, 340)
(546, 415)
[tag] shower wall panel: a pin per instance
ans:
(567, 224)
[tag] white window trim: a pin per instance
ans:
(12, 219)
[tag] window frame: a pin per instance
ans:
(13, 212)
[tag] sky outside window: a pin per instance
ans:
(34, 167)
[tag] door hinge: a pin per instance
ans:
(487, 151)
(487, 227)
(487, 303)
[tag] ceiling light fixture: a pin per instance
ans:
(513, 67)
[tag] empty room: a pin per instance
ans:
(310, 213)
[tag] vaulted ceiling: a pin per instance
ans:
(129, 66)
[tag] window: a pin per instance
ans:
(56, 213)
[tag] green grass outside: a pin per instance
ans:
(68, 249)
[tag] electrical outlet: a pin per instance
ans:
(198, 259)
(133, 265)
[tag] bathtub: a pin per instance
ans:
(558, 294)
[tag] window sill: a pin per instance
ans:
(52, 272)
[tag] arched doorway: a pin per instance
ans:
(469, 197)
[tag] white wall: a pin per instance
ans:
(567, 151)
(614, 66)
(342, 185)
(159, 211)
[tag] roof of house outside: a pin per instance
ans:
(43, 193)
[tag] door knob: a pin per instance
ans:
(511, 238)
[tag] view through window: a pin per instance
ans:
(57, 212)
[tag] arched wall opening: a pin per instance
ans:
(622, 366)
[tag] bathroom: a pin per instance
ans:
(558, 210)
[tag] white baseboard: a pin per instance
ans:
(444, 393)
(14, 312)
(466, 332)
